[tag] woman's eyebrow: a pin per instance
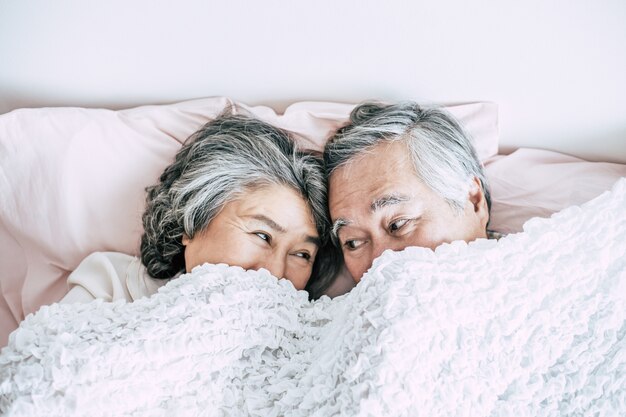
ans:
(268, 222)
(314, 240)
(275, 226)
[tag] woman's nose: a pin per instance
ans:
(274, 264)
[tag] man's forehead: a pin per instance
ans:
(381, 178)
(371, 190)
(386, 157)
(369, 182)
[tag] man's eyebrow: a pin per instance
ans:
(337, 225)
(388, 200)
(269, 222)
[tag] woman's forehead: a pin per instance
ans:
(277, 205)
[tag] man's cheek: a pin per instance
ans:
(353, 267)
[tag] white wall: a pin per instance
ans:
(557, 69)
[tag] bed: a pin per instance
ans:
(539, 329)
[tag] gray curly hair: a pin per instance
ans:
(225, 158)
(441, 151)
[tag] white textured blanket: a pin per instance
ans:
(532, 325)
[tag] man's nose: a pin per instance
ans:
(365, 263)
(379, 246)
(377, 250)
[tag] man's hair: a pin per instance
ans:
(219, 163)
(441, 151)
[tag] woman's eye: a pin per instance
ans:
(264, 236)
(304, 255)
(352, 244)
(396, 225)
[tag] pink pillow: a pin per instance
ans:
(314, 122)
(72, 181)
(536, 183)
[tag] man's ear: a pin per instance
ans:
(478, 201)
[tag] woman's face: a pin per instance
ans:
(270, 228)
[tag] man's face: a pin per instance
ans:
(377, 202)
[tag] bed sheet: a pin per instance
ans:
(72, 182)
(531, 325)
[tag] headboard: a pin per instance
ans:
(555, 69)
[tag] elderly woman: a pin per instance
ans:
(239, 192)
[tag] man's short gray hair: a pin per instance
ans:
(441, 151)
(225, 158)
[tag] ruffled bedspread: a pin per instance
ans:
(531, 325)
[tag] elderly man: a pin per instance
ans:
(401, 175)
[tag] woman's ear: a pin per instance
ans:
(186, 239)
(478, 201)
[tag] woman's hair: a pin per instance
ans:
(225, 158)
(441, 151)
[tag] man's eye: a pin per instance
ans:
(396, 225)
(353, 244)
(264, 236)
